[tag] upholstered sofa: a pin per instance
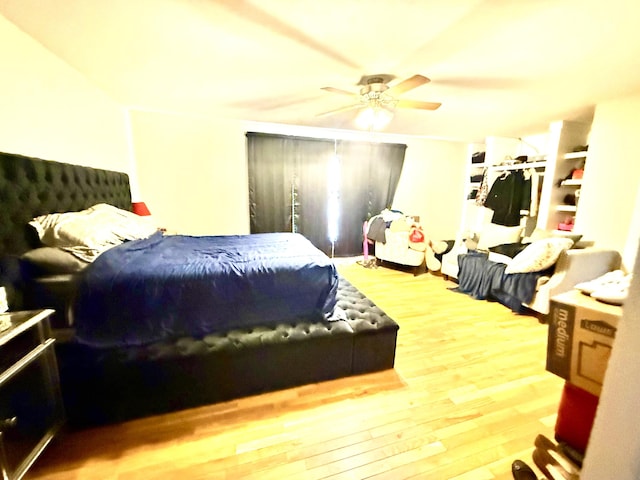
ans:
(572, 267)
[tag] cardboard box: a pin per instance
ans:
(581, 334)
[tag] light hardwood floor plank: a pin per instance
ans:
(468, 395)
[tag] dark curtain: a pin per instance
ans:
(285, 170)
(369, 178)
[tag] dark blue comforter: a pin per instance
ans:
(486, 280)
(170, 286)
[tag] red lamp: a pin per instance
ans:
(140, 208)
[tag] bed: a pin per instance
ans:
(123, 352)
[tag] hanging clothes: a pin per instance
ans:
(377, 227)
(509, 194)
(483, 189)
(534, 177)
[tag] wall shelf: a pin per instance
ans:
(571, 183)
(566, 208)
(574, 155)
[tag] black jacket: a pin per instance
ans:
(509, 194)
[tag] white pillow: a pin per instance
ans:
(493, 234)
(539, 255)
(87, 233)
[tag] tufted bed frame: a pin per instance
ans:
(115, 384)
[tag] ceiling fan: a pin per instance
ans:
(379, 100)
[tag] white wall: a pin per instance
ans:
(193, 172)
(607, 212)
(432, 185)
(49, 110)
(614, 446)
(611, 209)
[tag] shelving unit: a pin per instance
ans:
(475, 170)
(558, 186)
(554, 159)
(498, 150)
(471, 188)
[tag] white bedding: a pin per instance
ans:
(88, 233)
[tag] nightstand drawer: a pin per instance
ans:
(31, 410)
(18, 347)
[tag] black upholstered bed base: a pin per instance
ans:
(105, 386)
(109, 385)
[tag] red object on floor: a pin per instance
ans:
(575, 417)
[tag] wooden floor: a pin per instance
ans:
(468, 395)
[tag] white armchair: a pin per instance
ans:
(398, 249)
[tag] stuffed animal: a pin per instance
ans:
(419, 241)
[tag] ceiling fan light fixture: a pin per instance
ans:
(374, 118)
(377, 100)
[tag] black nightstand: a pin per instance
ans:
(31, 409)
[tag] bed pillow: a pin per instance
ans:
(493, 234)
(53, 261)
(539, 255)
(88, 233)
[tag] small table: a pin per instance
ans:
(31, 408)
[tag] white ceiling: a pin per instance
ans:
(499, 67)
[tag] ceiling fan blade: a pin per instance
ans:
(337, 90)
(408, 84)
(341, 109)
(418, 104)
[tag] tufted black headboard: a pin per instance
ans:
(30, 187)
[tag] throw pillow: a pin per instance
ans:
(539, 255)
